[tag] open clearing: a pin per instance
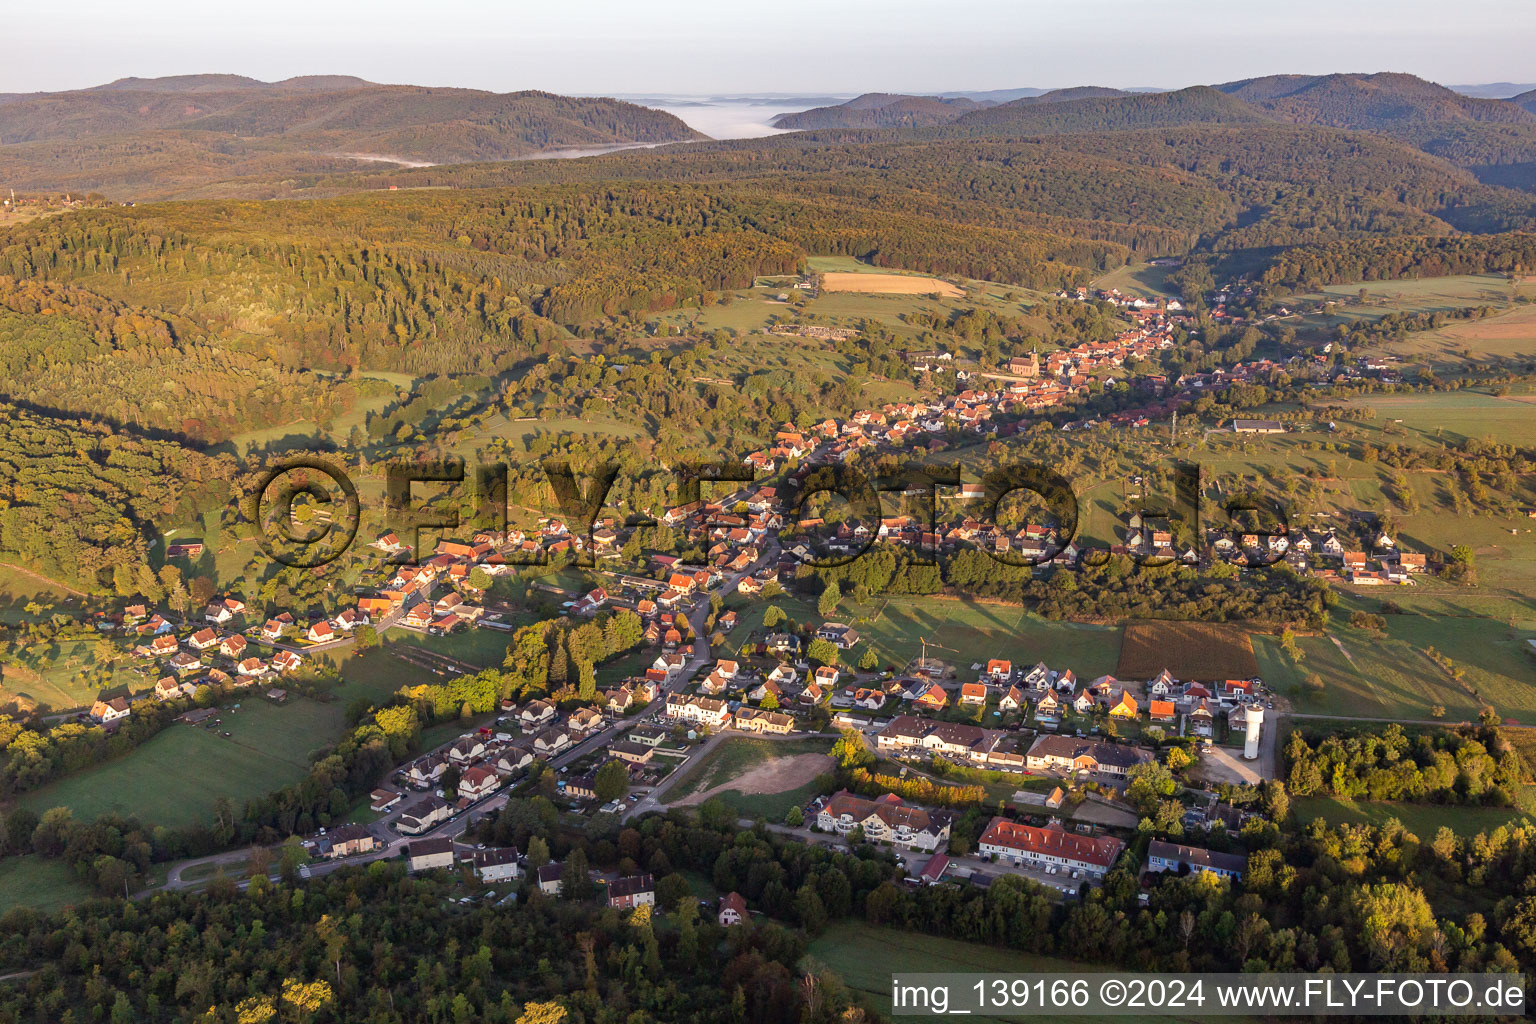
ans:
(1508, 335)
(1143, 279)
(175, 778)
(1451, 416)
(962, 632)
(889, 284)
(45, 884)
(1423, 820)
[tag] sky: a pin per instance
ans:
(651, 47)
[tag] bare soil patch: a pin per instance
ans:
(889, 284)
(1203, 651)
(775, 775)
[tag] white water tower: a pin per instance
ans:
(1254, 715)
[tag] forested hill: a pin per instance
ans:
(890, 110)
(140, 139)
(194, 318)
(1156, 189)
(1378, 102)
(881, 110)
(1197, 105)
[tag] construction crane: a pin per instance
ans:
(922, 663)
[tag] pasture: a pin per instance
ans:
(866, 957)
(962, 632)
(1423, 820)
(1510, 335)
(1139, 279)
(175, 778)
(68, 673)
(1419, 295)
(1450, 416)
(1389, 675)
(43, 884)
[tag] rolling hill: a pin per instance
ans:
(1197, 105)
(880, 110)
(1380, 102)
(159, 137)
(894, 110)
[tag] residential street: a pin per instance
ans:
(392, 842)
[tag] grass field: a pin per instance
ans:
(376, 674)
(72, 673)
(866, 957)
(963, 632)
(175, 778)
(1453, 415)
(1141, 279)
(47, 885)
(1510, 335)
(481, 647)
(1423, 820)
(1374, 678)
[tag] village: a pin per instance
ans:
(619, 754)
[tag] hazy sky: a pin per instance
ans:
(689, 46)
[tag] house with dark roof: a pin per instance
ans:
(428, 854)
(1069, 754)
(632, 891)
(498, 865)
(1163, 856)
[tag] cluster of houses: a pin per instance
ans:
(491, 866)
(1051, 848)
(1324, 553)
(503, 864)
(408, 598)
(211, 654)
(1047, 696)
(486, 760)
(197, 657)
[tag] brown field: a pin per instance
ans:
(1507, 335)
(889, 284)
(1190, 650)
(775, 776)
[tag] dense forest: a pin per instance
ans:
(1432, 767)
(1397, 259)
(83, 503)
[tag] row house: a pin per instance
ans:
(1049, 847)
